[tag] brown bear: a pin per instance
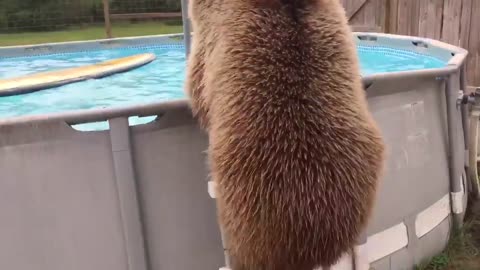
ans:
(293, 148)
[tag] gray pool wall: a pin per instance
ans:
(137, 197)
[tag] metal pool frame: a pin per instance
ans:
(135, 197)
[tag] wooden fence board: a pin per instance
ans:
(414, 6)
(465, 23)
(408, 13)
(438, 23)
(355, 8)
(474, 44)
(381, 19)
(392, 11)
(452, 10)
(430, 18)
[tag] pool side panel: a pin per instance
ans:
(179, 215)
(412, 122)
(58, 199)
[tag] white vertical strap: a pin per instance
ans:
(457, 199)
(345, 263)
(457, 202)
(361, 259)
(211, 189)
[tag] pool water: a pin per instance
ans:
(160, 80)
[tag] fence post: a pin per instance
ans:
(106, 14)
(186, 26)
(388, 9)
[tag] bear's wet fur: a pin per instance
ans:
(293, 148)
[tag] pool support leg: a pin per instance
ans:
(455, 185)
(186, 27)
(473, 137)
(128, 194)
(465, 102)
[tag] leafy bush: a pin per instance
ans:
(46, 15)
(35, 20)
(3, 20)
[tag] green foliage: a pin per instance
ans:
(3, 19)
(121, 29)
(461, 252)
(37, 19)
(122, 6)
(42, 15)
(439, 262)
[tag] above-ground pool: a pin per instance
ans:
(128, 190)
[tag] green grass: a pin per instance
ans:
(461, 254)
(463, 250)
(92, 32)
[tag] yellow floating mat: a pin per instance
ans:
(38, 81)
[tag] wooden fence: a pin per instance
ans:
(453, 21)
